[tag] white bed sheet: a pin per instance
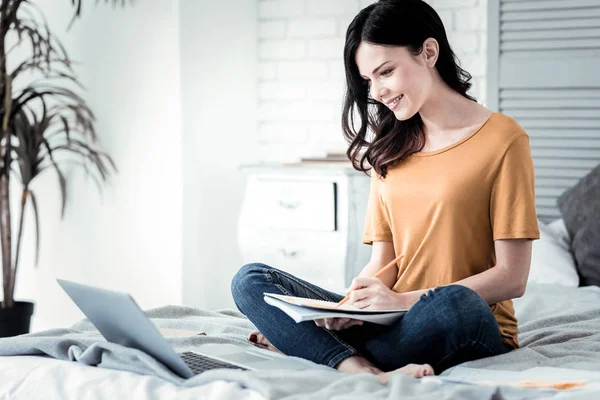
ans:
(33, 378)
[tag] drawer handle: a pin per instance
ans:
(287, 253)
(289, 205)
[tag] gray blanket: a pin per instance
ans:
(559, 327)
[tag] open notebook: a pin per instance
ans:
(302, 309)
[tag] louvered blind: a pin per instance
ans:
(544, 71)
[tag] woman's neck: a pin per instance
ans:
(447, 111)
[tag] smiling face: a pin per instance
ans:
(396, 78)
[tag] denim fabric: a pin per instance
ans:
(447, 326)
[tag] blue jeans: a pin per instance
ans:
(447, 326)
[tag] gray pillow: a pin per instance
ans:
(586, 246)
(580, 209)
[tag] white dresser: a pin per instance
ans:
(307, 220)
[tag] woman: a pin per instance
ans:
(452, 189)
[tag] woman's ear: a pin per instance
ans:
(431, 51)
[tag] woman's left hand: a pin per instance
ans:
(373, 294)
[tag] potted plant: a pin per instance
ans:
(44, 125)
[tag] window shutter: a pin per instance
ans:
(544, 71)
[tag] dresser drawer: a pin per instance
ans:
(315, 257)
(291, 204)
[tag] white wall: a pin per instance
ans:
(218, 75)
(301, 73)
(130, 237)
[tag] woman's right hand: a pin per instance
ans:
(337, 324)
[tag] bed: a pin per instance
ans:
(34, 377)
(559, 328)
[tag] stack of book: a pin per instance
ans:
(329, 157)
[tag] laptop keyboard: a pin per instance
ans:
(199, 363)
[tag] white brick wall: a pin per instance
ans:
(301, 73)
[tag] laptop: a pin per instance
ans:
(120, 320)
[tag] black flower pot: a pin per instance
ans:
(15, 321)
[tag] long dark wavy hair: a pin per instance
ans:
(391, 23)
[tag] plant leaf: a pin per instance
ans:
(37, 226)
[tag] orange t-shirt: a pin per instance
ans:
(444, 209)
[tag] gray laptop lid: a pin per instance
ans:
(120, 320)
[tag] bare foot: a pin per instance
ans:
(413, 370)
(258, 338)
(357, 364)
